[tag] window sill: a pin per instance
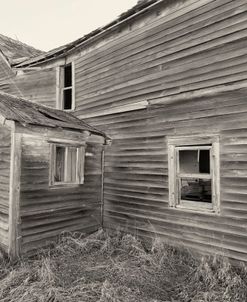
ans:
(68, 110)
(64, 186)
(197, 210)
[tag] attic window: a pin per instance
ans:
(194, 175)
(66, 87)
(67, 165)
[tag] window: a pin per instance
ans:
(67, 164)
(66, 99)
(194, 173)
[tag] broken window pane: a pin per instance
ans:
(194, 161)
(196, 189)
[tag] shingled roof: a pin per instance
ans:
(140, 7)
(16, 51)
(29, 113)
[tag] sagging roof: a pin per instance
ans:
(29, 113)
(16, 51)
(141, 6)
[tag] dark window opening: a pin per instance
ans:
(67, 99)
(204, 161)
(66, 88)
(68, 75)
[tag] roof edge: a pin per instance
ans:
(6, 59)
(59, 52)
(62, 116)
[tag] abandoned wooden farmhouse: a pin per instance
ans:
(167, 82)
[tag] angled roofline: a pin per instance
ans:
(140, 8)
(32, 51)
(6, 59)
(59, 118)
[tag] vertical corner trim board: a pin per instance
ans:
(14, 197)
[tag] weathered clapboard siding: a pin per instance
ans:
(5, 150)
(47, 212)
(172, 48)
(136, 172)
(170, 55)
(7, 76)
(38, 86)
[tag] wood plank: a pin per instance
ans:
(14, 200)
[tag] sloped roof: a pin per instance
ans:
(26, 112)
(141, 6)
(16, 51)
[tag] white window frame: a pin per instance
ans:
(61, 88)
(175, 144)
(79, 165)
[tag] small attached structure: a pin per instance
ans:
(50, 175)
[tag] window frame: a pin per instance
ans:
(61, 88)
(175, 144)
(79, 165)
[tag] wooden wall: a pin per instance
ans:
(5, 151)
(38, 86)
(33, 85)
(190, 45)
(7, 77)
(187, 47)
(47, 212)
(136, 173)
(177, 48)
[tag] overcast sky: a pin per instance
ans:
(46, 24)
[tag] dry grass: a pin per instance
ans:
(120, 269)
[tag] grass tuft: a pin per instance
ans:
(103, 268)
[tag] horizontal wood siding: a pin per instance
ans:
(185, 47)
(136, 172)
(38, 86)
(5, 151)
(7, 77)
(190, 45)
(35, 85)
(175, 48)
(47, 212)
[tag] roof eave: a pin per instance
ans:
(68, 48)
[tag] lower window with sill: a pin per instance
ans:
(194, 174)
(67, 165)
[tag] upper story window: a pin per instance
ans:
(194, 173)
(65, 85)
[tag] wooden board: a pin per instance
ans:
(5, 155)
